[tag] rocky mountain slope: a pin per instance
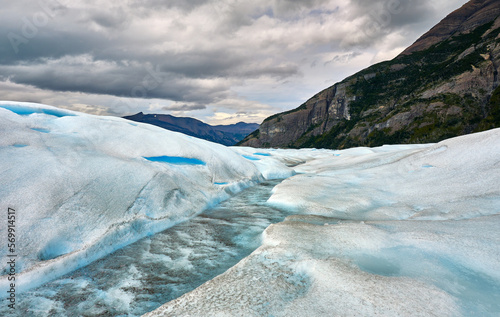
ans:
(223, 134)
(444, 85)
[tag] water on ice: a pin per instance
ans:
(176, 160)
(142, 276)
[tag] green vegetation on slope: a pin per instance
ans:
(492, 120)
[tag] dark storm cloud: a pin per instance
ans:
(414, 10)
(383, 17)
(41, 60)
(88, 76)
(51, 44)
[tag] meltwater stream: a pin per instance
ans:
(146, 274)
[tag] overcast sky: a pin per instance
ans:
(221, 61)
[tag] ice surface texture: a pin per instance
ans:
(390, 231)
(278, 164)
(454, 179)
(83, 188)
(394, 268)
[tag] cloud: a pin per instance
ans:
(232, 118)
(193, 56)
(84, 74)
(93, 109)
(184, 107)
(154, 5)
(342, 58)
(114, 19)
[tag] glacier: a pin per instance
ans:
(401, 230)
(397, 230)
(84, 186)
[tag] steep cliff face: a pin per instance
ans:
(444, 85)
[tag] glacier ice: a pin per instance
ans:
(407, 230)
(25, 108)
(274, 165)
(82, 188)
(454, 179)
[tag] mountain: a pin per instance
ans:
(444, 85)
(240, 130)
(223, 134)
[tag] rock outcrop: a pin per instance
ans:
(444, 85)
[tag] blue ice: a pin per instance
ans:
(25, 111)
(54, 249)
(224, 183)
(19, 145)
(248, 157)
(262, 154)
(377, 265)
(41, 130)
(176, 160)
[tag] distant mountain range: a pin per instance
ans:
(223, 134)
(444, 85)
